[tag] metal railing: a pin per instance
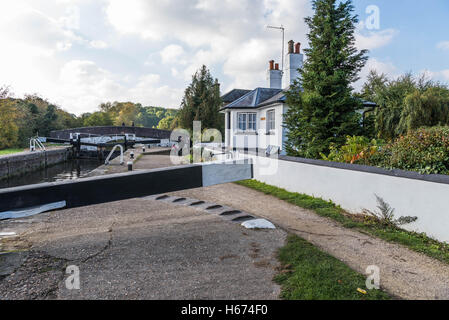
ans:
(36, 142)
(122, 161)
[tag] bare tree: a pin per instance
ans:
(4, 92)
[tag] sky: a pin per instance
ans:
(80, 53)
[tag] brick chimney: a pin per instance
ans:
(293, 61)
(274, 76)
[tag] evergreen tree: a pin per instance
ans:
(322, 108)
(202, 102)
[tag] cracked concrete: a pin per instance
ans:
(143, 249)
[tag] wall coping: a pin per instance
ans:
(436, 178)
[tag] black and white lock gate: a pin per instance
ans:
(115, 187)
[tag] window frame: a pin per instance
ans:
(271, 120)
(249, 122)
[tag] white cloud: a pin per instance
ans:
(442, 75)
(98, 44)
(368, 39)
(72, 18)
(53, 51)
(387, 68)
(230, 35)
(174, 72)
(35, 29)
(443, 45)
(172, 54)
(84, 86)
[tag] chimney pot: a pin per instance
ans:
(298, 48)
(276, 66)
(291, 43)
(271, 64)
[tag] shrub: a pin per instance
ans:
(356, 150)
(425, 150)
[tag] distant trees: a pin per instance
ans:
(98, 119)
(117, 113)
(202, 102)
(406, 103)
(168, 123)
(21, 119)
(9, 130)
(127, 114)
(322, 108)
(32, 115)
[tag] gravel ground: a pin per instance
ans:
(403, 273)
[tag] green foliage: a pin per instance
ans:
(311, 274)
(167, 123)
(385, 214)
(425, 108)
(98, 119)
(9, 131)
(357, 149)
(425, 150)
(406, 103)
(322, 108)
(202, 102)
(129, 113)
(10, 151)
(418, 242)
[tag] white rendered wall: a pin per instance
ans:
(354, 191)
(293, 61)
(274, 79)
(236, 139)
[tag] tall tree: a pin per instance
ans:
(425, 108)
(322, 108)
(406, 103)
(202, 102)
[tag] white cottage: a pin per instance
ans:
(254, 118)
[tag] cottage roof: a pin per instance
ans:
(254, 98)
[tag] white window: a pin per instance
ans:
(271, 120)
(242, 121)
(247, 121)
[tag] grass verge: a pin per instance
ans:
(311, 274)
(10, 151)
(418, 242)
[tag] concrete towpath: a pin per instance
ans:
(138, 249)
(403, 273)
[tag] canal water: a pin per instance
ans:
(70, 170)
